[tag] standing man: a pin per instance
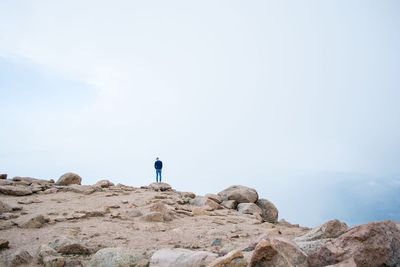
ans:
(158, 167)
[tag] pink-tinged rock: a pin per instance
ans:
(249, 208)
(269, 211)
(15, 190)
(278, 252)
(372, 244)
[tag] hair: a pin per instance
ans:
(157, 158)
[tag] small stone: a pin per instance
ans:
(3, 243)
(34, 222)
(216, 242)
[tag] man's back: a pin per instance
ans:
(158, 164)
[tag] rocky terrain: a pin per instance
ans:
(64, 223)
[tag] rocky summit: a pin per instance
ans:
(65, 223)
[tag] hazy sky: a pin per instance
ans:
(224, 92)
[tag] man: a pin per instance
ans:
(158, 167)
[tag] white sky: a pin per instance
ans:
(223, 92)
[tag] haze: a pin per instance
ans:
(298, 99)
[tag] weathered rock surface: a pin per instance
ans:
(372, 244)
(104, 183)
(69, 178)
(278, 253)
(19, 258)
(214, 197)
(36, 221)
(181, 258)
(80, 189)
(4, 207)
(230, 204)
(205, 201)
(330, 229)
(240, 193)
(114, 257)
(269, 211)
(160, 187)
(65, 245)
(15, 190)
(249, 208)
(232, 259)
(3, 176)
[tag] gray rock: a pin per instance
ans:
(21, 257)
(15, 190)
(3, 176)
(104, 183)
(249, 208)
(114, 257)
(230, 204)
(4, 207)
(65, 245)
(330, 229)
(54, 261)
(269, 211)
(200, 201)
(80, 189)
(214, 197)
(181, 258)
(240, 193)
(45, 251)
(33, 222)
(160, 187)
(69, 178)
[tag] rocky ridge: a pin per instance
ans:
(64, 223)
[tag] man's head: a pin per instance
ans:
(157, 158)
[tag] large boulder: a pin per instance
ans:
(249, 208)
(278, 252)
(312, 241)
(232, 259)
(200, 201)
(160, 187)
(114, 257)
(15, 190)
(3, 176)
(69, 178)
(372, 244)
(269, 211)
(81, 189)
(181, 258)
(240, 193)
(104, 184)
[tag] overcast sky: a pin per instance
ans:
(224, 92)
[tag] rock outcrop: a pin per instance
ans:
(372, 244)
(269, 211)
(181, 258)
(69, 178)
(240, 193)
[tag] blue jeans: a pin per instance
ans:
(158, 173)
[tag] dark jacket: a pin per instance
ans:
(158, 164)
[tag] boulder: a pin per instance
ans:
(3, 176)
(372, 244)
(33, 222)
(104, 184)
(230, 204)
(232, 259)
(214, 197)
(30, 180)
(160, 187)
(278, 252)
(200, 201)
(65, 245)
(269, 211)
(181, 258)
(15, 190)
(4, 207)
(249, 208)
(114, 257)
(187, 194)
(69, 178)
(3, 243)
(330, 229)
(240, 193)
(21, 257)
(81, 189)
